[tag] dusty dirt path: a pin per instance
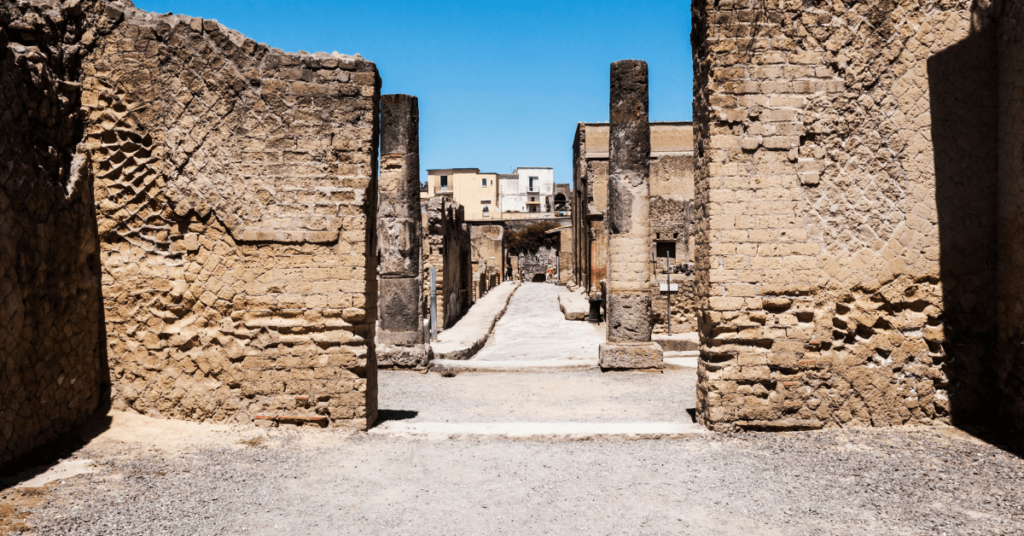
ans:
(166, 477)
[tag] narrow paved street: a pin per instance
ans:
(533, 328)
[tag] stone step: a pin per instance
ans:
(678, 342)
(444, 366)
(539, 431)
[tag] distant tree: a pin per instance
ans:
(530, 239)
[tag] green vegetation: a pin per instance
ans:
(530, 239)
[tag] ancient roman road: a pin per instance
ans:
(533, 328)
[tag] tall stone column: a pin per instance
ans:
(628, 298)
(399, 236)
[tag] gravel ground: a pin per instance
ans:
(903, 481)
(584, 396)
(533, 328)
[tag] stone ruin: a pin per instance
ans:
(671, 218)
(487, 257)
(447, 248)
(190, 219)
(627, 291)
(233, 187)
(858, 212)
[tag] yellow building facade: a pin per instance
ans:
(477, 192)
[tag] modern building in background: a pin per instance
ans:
(527, 189)
(526, 193)
(477, 192)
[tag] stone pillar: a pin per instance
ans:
(628, 298)
(399, 236)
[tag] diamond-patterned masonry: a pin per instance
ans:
(846, 196)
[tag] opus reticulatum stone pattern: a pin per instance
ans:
(846, 193)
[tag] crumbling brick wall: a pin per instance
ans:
(684, 304)
(1011, 209)
(486, 248)
(52, 372)
(447, 248)
(534, 265)
(845, 193)
(589, 201)
(235, 198)
(565, 253)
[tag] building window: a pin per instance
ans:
(533, 184)
(485, 202)
(444, 183)
(487, 211)
(666, 248)
(485, 183)
(534, 208)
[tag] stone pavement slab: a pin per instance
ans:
(534, 328)
(588, 396)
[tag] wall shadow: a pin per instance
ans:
(964, 107)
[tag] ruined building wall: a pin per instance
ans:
(589, 202)
(1011, 209)
(447, 248)
(534, 265)
(486, 247)
(845, 199)
(52, 371)
(671, 221)
(565, 253)
(235, 191)
(487, 257)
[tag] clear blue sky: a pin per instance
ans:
(500, 84)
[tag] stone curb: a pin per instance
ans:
(443, 350)
(540, 431)
(573, 306)
(448, 366)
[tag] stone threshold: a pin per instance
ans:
(444, 366)
(540, 431)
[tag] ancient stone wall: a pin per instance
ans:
(52, 372)
(447, 249)
(1011, 209)
(235, 192)
(672, 203)
(588, 204)
(684, 310)
(845, 196)
(487, 252)
(534, 265)
(565, 253)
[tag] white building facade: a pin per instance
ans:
(527, 189)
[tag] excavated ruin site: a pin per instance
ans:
(229, 305)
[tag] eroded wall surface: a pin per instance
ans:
(447, 249)
(1011, 209)
(235, 198)
(845, 196)
(52, 372)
